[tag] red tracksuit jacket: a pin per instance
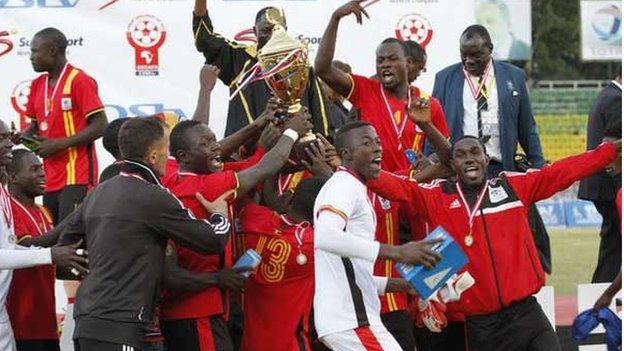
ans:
(502, 258)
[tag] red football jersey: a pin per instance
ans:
(30, 302)
(60, 112)
(396, 131)
(281, 289)
(208, 302)
(387, 232)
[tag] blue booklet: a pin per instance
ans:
(428, 281)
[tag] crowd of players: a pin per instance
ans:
(147, 247)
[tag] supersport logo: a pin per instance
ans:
(6, 44)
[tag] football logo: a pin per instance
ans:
(415, 27)
(19, 99)
(146, 34)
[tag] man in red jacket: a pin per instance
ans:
(487, 218)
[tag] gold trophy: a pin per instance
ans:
(284, 63)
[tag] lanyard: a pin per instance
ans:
(299, 228)
(7, 211)
(32, 219)
(398, 130)
(47, 102)
(476, 90)
(471, 212)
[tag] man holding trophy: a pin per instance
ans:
(238, 65)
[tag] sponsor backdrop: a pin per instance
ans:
(601, 30)
(142, 55)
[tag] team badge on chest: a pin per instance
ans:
(497, 194)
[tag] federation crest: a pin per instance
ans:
(415, 27)
(146, 34)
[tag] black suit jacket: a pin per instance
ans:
(607, 108)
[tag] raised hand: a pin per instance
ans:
(317, 163)
(208, 76)
(419, 110)
(352, 7)
(299, 122)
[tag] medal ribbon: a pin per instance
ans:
(46, 101)
(473, 89)
(398, 130)
(299, 228)
(471, 212)
(5, 202)
(32, 219)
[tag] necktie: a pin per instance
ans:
(482, 105)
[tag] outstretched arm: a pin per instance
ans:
(335, 78)
(536, 185)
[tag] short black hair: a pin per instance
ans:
(54, 37)
(305, 195)
(468, 137)
(614, 130)
(341, 138)
(111, 134)
(262, 11)
(415, 50)
(396, 41)
(137, 135)
(16, 160)
(178, 139)
(477, 31)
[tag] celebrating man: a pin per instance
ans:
(384, 101)
(233, 61)
(346, 302)
(488, 220)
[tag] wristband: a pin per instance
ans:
(291, 134)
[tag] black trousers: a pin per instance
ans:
(521, 327)
(97, 345)
(203, 334)
(63, 202)
(610, 251)
(400, 326)
(37, 345)
(452, 338)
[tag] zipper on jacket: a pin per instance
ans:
(487, 237)
(526, 245)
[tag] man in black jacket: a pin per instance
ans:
(601, 188)
(234, 59)
(126, 222)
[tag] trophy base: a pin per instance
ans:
(292, 109)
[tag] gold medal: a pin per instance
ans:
(301, 259)
(468, 239)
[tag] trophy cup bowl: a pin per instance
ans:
(284, 60)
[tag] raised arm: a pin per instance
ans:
(536, 185)
(228, 56)
(274, 159)
(207, 79)
(335, 78)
